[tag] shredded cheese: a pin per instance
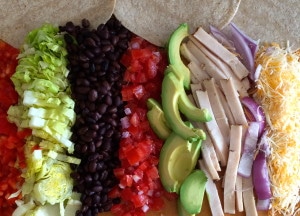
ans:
(278, 92)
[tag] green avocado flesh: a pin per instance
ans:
(192, 192)
(181, 211)
(181, 71)
(157, 119)
(171, 91)
(178, 158)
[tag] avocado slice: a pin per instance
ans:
(192, 192)
(181, 70)
(191, 111)
(178, 158)
(157, 119)
(171, 92)
(181, 211)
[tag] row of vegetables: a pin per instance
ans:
(104, 120)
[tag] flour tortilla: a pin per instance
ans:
(19, 17)
(270, 21)
(155, 20)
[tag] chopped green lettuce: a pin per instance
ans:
(45, 106)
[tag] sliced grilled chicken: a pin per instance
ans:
(213, 129)
(219, 50)
(217, 108)
(231, 169)
(233, 100)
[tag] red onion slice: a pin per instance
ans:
(250, 145)
(257, 73)
(260, 176)
(263, 144)
(263, 205)
(222, 38)
(253, 45)
(256, 112)
(245, 46)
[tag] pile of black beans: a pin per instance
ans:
(96, 79)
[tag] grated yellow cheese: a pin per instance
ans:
(278, 92)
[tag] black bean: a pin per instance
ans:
(104, 64)
(96, 198)
(98, 143)
(96, 50)
(89, 54)
(90, 42)
(104, 33)
(88, 178)
(83, 130)
(109, 133)
(92, 148)
(75, 175)
(102, 108)
(82, 89)
(93, 166)
(92, 96)
(108, 100)
(70, 27)
(96, 80)
(85, 23)
(83, 58)
(83, 82)
(107, 48)
(114, 40)
(97, 188)
(84, 148)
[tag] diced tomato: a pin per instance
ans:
(119, 172)
(8, 95)
(134, 119)
(140, 189)
(6, 127)
(152, 172)
(139, 200)
(136, 43)
(126, 181)
(8, 57)
(115, 192)
(139, 91)
(157, 203)
(141, 54)
(135, 156)
(127, 93)
(12, 158)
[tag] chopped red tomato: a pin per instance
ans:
(140, 188)
(12, 158)
(143, 61)
(8, 62)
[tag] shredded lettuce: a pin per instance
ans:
(45, 106)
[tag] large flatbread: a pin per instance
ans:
(155, 20)
(18, 17)
(270, 21)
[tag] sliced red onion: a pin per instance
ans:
(263, 144)
(253, 45)
(263, 205)
(246, 47)
(125, 122)
(257, 73)
(256, 112)
(250, 145)
(260, 176)
(222, 38)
